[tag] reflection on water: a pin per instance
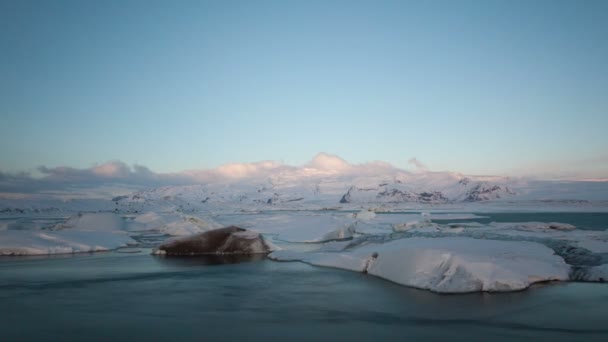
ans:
(112, 296)
(212, 259)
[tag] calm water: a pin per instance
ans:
(586, 221)
(123, 296)
(117, 296)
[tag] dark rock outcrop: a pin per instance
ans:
(486, 192)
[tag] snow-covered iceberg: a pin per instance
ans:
(447, 265)
(25, 242)
(85, 232)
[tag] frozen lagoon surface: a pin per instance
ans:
(129, 294)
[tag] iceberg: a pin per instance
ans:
(93, 222)
(297, 228)
(27, 242)
(447, 265)
(228, 240)
(172, 224)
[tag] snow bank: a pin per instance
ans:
(22, 242)
(447, 265)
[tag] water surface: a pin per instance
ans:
(136, 296)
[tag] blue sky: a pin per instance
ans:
(473, 86)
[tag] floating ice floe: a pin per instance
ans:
(93, 222)
(172, 224)
(24, 242)
(592, 273)
(593, 240)
(87, 232)
(365, 215)
(534, 225)
(417, 226)
(304, 228)
(447, 265)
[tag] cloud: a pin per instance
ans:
(113, 176)
(116, 177)
(106, 175)
(418, 164)
(329, 162)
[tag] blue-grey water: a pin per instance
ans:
(114, 296)
(136, 296)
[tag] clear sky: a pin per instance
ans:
(471, 86)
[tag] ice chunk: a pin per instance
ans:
(304, 228)
(417, 226)
(172, 224)
(318, 233)
(345, 261)
(595, 245)
(534, 225)
(93, 222)
(592, 240)
(22, 242)
(593, 273)
(365, 215)
(189, 225)
(448, 265)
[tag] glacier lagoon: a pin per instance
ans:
(129, 294)
(134, 296)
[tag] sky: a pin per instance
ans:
(479, 87)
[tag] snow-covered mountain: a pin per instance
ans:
(301, 187)
(325, 182)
